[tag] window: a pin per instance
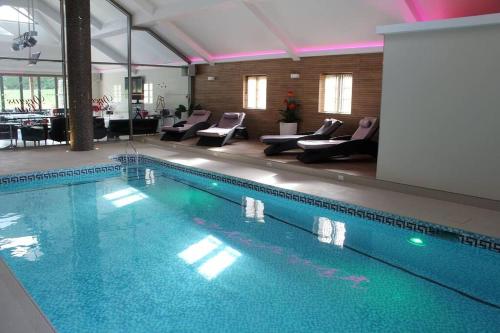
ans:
(12, 93)
(60, 93)
(335, 93)
(148, 93)
(48, 91)
(255, 93)
(117, 93)
(30, 93)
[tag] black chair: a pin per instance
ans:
(100, 130)
(58, 131)
(361, 142)
(8, 132)
(187, 129)
(281, 143)
(34, 133)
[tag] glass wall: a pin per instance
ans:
(165, 83)
(32, 82)
(110, 68)
(30, 67)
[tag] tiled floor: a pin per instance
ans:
(19, 314)
(357, 166)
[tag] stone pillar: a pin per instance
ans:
(78, 64)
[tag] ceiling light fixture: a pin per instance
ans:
(26, 39)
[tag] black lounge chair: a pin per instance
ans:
(218, 135)
(361, 142)
(34, 133)
(187, 129)
(100, 130)
(58, 130)
(280, 143)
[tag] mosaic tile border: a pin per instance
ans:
(69, 173)
(407, 223)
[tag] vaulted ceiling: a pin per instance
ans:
(221, 30)
(228, 30)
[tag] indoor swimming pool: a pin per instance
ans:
(156, 249)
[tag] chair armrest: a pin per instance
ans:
(343, 137)
(180, 123)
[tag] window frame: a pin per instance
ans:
(322, 94)
(36, 78)
(148, 92)
(245, 92)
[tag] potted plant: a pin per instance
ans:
(180, 111)
(289, 115)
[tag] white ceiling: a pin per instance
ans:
(228, 30)
(220, 30)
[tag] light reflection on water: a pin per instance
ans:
(26, 247)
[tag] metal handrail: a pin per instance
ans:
(129, 143)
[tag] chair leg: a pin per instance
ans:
(24, 143)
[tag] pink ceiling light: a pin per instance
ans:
(255, 54)
(427, 10)
(341, 47)
(315, 49)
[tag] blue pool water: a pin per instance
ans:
(156, 250)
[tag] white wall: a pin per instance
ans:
(167, 82)
(440, 117)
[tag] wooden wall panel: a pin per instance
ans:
(225, 94)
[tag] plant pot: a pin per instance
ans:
(288, 128)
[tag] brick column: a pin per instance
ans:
(78, 64)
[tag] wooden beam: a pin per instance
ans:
(45, 24)
(273, 28)
(200, 51)
(164, 43)
(108, 51)
(146, 6)
(175, 9)
(111, 29)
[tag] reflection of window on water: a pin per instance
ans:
(215, 265)
(22, 247)
(212, 267)
(9, 219)
(125, 197)
(199, 250)
(149, 175)
(328, 231)
(253, 209)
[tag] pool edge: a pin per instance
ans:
(17, 294)
(408, 223)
